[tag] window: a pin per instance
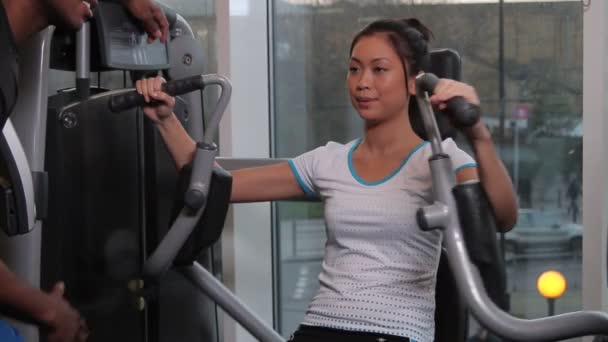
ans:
(528, 74)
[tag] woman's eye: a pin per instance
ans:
(379, 69)
(353, 69)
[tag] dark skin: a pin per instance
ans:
(151, 18)
(18, 299)
(27, 17)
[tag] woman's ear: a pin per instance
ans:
(411, 86)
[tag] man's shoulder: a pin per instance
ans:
(8, 68)
(8, 85)
(6, 34)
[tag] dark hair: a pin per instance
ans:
(410, 39)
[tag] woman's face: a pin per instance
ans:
(376, 80)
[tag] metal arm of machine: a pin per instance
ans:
(467, 276)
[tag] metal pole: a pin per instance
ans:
(551, 306)
(501, 94)
(83, 61)
(233, 306)
(516, 156)
(501, 71)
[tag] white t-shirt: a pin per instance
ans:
(379, 270)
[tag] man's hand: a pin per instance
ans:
(151, 17)
(63, 321)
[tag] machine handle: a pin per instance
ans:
(132, 99)
(467, 276)
(464, 114)
(162, 257)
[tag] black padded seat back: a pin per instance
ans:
(444, 63)
(210, 227)
(451, 316)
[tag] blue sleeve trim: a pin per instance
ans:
(465, 166)
(303, 185)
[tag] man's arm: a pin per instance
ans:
(20, 301)
(49, 311)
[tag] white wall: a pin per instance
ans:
(244, 133)
(595, 156)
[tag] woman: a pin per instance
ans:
(379, 271)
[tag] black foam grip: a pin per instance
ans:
(132, 99)
(463, 114)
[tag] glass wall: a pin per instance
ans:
(524, 59)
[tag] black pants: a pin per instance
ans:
(306, 333)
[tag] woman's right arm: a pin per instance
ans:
(266, 183)
(258, 184)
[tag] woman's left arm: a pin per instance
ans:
(494, 177)
(490, 170)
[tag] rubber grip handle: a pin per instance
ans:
(132, 99)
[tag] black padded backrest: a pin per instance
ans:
(444, 63)
(211, 224)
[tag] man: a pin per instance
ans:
(19, 20)
(574, 191)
